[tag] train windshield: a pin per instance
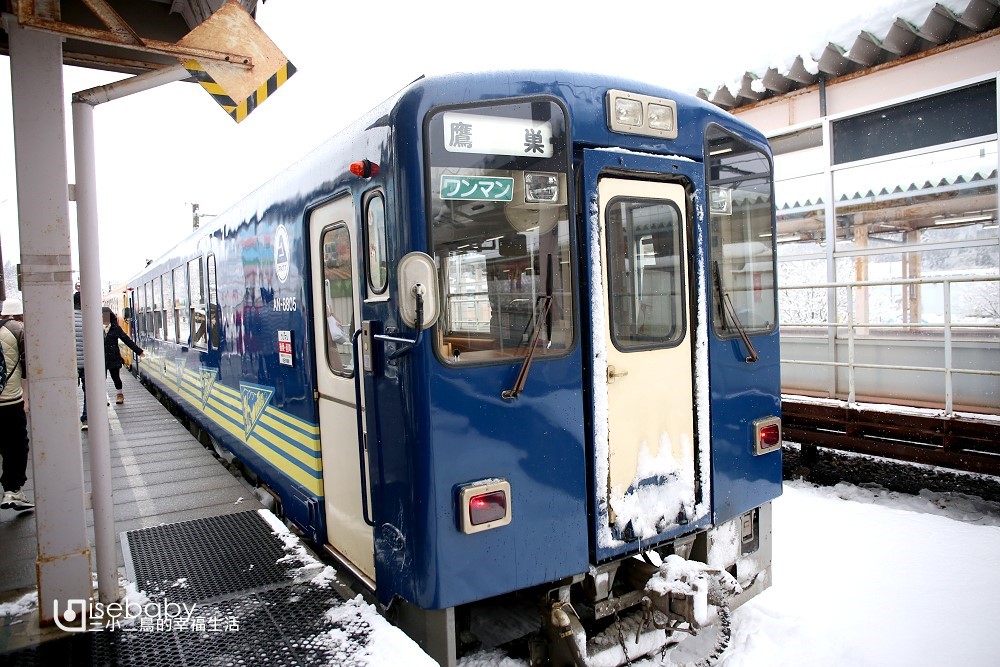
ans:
(500, 232)
(742, 234)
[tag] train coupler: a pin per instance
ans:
(682, 592)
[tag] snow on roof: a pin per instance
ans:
(893, 31)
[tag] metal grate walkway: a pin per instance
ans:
(226, 590)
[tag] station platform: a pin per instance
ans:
(207, 574)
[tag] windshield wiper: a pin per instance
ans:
(727, 309)
(536, 331)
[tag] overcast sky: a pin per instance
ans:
(161, 150)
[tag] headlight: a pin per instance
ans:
(661, 117)
(628, 112)
(632, 113)
(540, 187)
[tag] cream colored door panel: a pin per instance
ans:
(650, 444)
(333, 238)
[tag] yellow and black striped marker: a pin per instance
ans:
(239, 110)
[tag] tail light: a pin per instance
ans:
(484, 505)
(767, 435)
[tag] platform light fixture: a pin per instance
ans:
(632, 113)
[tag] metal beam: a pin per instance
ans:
(122, 36)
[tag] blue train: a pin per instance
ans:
(506, 349)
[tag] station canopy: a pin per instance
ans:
(128, 36)
(920, 27)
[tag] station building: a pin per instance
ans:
(886, 160)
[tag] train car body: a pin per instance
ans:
(492, 342)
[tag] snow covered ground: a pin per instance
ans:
(862, 577)
(866, 577)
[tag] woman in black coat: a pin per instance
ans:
(112, 357)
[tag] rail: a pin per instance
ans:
(863, 329)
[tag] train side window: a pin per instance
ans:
(213, 311)
(158, 307)
(182, 319)
(199, 335)
(338, 292)
(169, 332)
(378, 270)
(144, 316)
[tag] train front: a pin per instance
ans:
(602, 440)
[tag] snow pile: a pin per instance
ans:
(25, 604)
(360, 635)
(654, 508)
(866, 578)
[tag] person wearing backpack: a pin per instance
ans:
(13, 421)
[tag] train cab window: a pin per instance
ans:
(500, 231)
(645, 272)
(183, 319)
(199, 333)
(378, 271)
(741, 231)
(213, 311)
(338, 309)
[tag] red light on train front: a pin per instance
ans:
(484, 505)
(364, 168)
(767, 435)
(487, 507)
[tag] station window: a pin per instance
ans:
(199, 335)
(378, 270)
(338, 292)
(742, 236)
(939, 119)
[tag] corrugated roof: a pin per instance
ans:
(930, 25)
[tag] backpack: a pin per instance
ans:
(5, 375)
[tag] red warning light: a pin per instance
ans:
(364, 168)
(487, 507)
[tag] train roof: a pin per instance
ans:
(584, 93)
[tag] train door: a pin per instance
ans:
(643, 277)
(335, 287)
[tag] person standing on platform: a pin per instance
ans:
(113, 333)
(13, 421)
(78, 327)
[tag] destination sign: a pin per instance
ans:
(493, 135)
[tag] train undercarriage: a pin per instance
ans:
(673, 601)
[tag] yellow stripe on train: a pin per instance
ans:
(294, 453)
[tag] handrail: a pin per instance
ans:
(946, 326)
